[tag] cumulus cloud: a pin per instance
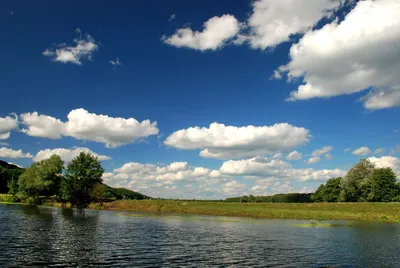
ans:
(10, 153)
(362, 151)
(227, 142)
(275, 168)
(216, 33)
(177, 179)
(84, 48)
(112, 131)
(387, 161)
(43, 126)
(313, 160)
(233, 188)
(348, 56)
(273, 22)
(328, 156)
(7, 124)
(347, 150)
(66, 154)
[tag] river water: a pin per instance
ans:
(51, 237)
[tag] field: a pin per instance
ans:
(382, 212)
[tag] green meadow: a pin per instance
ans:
(380, 212)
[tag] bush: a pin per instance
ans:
(8, 198)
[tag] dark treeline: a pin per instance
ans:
(79, 183)
(277, 198)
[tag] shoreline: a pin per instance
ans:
(369, 212)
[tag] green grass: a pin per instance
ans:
(380, 212)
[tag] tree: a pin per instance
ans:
(318, 196)
(355, 185)
(98, 192)
(82, 174)
(383, 186)
(13, 186)
(41, 177)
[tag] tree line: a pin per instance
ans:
(79, 183)
(363, 183)
(277, 198)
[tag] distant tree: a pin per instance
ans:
(383, 186)
(41, 177)
(355, 185)
(82, 174)
(244, 199)
(251, 199)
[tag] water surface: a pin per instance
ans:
(37, 236)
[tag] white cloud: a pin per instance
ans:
(10, 153)
(347, 150)
(313, 160)
(387, 161)
(379, 151)
(84, 48)
(295, 155)
(7, 124)
(233, 188)
(273, 22)
(362, 151)
(66, 154)
(328, 156)
(42, 126)
(172, 17)
(160, 180)
(115, 63)
(216, 33)
(227, 142)
(278, 169)
(112, 131)
(350, 56)
(322, 151)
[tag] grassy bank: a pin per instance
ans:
(382, 212)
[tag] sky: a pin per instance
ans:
(203, 99)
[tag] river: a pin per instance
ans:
(50, 237)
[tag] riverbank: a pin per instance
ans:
(379, 212)
(373, 212)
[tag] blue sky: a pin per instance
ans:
(308, 76)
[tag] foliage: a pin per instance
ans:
(329, 192)
(122, 193)
(13, 186)
(7, 173)
(98, 193)
(41, 178)
(82, 174)
(355, 185)
(383, 186)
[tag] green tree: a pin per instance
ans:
(355, 185)
(318, 196)
(13, 186)
(82, 174)
(332, 190)
(41, 177)
(383, 186)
